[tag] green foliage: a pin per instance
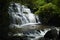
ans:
(40, 2)
(48, 1)
(47, 13)
(47, 7)
(56, 2)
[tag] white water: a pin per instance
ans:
(33, 34)
(20, 15)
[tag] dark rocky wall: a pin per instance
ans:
(4, 18)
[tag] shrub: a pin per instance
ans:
(49, 14)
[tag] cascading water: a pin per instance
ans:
(21, 15)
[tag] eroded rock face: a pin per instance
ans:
(52, 34)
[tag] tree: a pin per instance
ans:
(49, 14)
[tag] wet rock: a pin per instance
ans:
(58, 36)
(38, 31)
(42, 38)
(51, 35)
(18, 38)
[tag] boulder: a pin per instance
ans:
(51, 34)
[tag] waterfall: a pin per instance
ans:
(21, 15)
